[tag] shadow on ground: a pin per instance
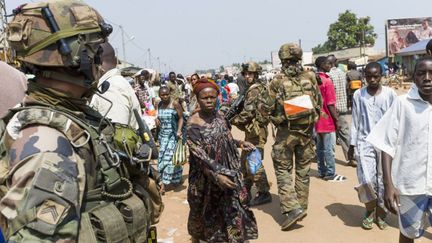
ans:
(341, 162)
(272, 209)
(352, 215)
(314, 173)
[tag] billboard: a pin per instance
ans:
(402, 33)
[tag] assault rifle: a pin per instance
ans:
(235, 108)
(145, 134)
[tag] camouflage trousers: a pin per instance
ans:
(287, 145)
(260, 178)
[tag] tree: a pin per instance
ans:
(221, 69)
(321, 48)
(348, 32)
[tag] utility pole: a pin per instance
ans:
(363, 46)
(3, 38)
(363, 43)
(123, 42)
(158, 59)
(149, 57)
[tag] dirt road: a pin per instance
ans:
(334, 213)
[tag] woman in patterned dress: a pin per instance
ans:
(170, 123)
(216, 194)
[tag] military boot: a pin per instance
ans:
(292, 217)
(261, 198)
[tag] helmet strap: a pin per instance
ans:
(86, 67)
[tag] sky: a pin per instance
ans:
(186, 35)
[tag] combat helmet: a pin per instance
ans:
(56, 34)
(290, 51)
(252, 67)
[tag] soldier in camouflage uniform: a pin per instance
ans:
(294, 132)
(254, 123)
(60, 179)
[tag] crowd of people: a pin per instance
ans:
(76, 148)
(341, 108)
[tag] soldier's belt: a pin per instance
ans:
(296, 127)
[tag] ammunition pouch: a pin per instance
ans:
(126, 139)
(122, 221)
(130, 148)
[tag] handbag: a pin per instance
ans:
(181, 154)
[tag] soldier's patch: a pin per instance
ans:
(50, 212)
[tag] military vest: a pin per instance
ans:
(113, 208)
(261, 119)
(292, 87)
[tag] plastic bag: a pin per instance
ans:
(180, 156)
(254, 161)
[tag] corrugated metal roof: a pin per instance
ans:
(414, 49)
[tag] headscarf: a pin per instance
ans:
(205, 83)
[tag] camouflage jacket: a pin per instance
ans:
(253, 113)
(176, 90)
(284, 87)
(60, 178)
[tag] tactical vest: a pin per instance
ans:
(292, 87)
(261, 119)
(113, 208)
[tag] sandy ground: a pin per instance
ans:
(334, 213)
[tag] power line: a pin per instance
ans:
(131, 39)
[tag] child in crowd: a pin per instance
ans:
(326, 125)
(404, 135)
(369, 105)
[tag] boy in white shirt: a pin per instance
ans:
(404, 135)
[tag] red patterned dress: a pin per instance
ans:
(216, 214)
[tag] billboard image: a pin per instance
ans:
(402, 33)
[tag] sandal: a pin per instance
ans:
(352, 163)
(382, 224)
(335, 178)
(368, 221)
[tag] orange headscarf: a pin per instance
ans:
(204, 83)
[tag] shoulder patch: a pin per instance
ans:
(50, 212)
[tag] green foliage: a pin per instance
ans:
(324, 48)
(348, 32)
(237, 65)
(221, 69)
